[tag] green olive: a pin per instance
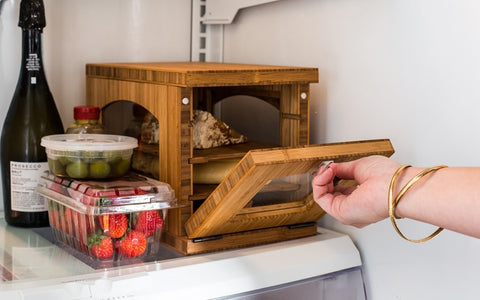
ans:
(99, 169)
(112, 156)
(56, 167)
(77, 170)
(64, 160)
(121, 167)
(89, 156)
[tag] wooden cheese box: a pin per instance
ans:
(230, 214)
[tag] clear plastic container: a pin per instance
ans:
(86, 120)
(108, 221)
(89, 156)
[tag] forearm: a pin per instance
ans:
(448, 198)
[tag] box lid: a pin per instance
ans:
(202, 74)
(130, 193)
(229, 207)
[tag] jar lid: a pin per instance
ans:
(86, 112)
(88, 142)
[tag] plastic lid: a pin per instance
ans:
(86, 112)
(88, 142)
(130, 193)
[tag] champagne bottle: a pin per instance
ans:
(32, 114)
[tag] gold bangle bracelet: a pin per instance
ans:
(393, 202)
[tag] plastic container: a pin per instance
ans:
(108, 221)
(89, 156)
(86, 120)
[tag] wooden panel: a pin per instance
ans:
(212, 95)
(240, 239)
(289, 115)
(203, 74)
(304, 130)
(219, 214)
(164, 102)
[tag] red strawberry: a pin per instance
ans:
(148, 221)
(100, 246)
(114, 226)
(134, 244)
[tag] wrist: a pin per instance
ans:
(394, 200)
(403, 208)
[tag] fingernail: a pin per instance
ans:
(325, 164)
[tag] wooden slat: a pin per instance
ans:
(304, 129)
(240, 239)
(204, 74)
(227, 152)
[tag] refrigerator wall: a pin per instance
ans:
(404, 70)
(81, 31)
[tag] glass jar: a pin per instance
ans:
(86, 120)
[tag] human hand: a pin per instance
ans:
(359, 205)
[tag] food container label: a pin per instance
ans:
(24, 178)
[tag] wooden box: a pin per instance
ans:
(222, 216)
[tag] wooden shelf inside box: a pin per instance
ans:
(226, 152)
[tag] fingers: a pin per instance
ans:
(333, 199)
(322, 185)
(346, 170)
(322, 181)
(361, 204)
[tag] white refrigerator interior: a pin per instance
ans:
(326, 266)
(403, 70)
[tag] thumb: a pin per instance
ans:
(322, 182)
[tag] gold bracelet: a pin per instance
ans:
(393, 202)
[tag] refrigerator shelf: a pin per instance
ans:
(34, 267)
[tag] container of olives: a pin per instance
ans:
(89, 156)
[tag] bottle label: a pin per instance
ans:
(33, 62)
(23, 182)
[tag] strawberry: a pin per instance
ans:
(134, 244)
(100, 246)
(114, 226)
(148, 221)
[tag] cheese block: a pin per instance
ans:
(213, 172)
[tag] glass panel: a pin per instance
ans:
(283, 190)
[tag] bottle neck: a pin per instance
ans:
(32, 72)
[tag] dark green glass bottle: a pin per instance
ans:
(32, 114)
